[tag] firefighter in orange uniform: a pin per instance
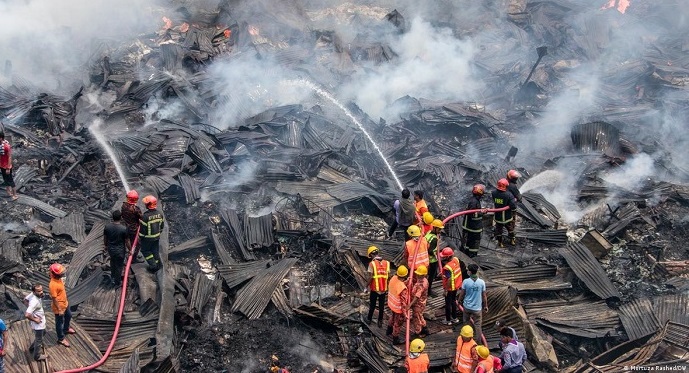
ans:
(378, 272)
(398, 300)
(419, 296)
(452, 281)
(466, 357)
(426, 227)
(415, 240)
(486, 362)
(417, 361)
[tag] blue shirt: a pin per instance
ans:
(3, 328)
(513, 355)
(473, 292)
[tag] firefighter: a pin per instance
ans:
(473, 223)
(486, 362)
(417, 361)
(415, 241)
(131, 215)
(466, 356)
(452, 281)
(504, 219)
(419, 296)
(378, 272)
(512, 177)
(398, 300)
(432, 239)
(60, 304)
(426, 226)
(151, 225)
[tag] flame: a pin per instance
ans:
(622, 5)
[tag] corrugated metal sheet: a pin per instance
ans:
(253, 297)
(132, 364)
(201, 293)
(596, 136)
(71, 225)
(581, 317)
(87, 250)
(231, 218)
(533, 278)
(191, 188)
(11, 248)
(48, 209)
(236, 273)
(589, 270)
(639, 319)
(194, 243)
(673, 308)
(259, 231)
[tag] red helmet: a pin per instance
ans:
(132, 196)
(478, 189)
(447, 253)
(150, 202)
(513, 174)
(57, 269)
(502, 184)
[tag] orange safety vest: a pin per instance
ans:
(455, 281)
(486, 364)
(421, 207)
(421, 255)
(396, 288)
(463, 356)
(419, 365)
(379, 281)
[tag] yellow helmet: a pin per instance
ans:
(402, 271)
(437, 223)
(414, 231)
(416, 345)
(427, 217)
(421, 270)
(467, 331)
(483, 351)
(371, 250)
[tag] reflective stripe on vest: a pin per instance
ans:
(379, 281)
(147, 225)
(418, 365)
(463, 355)
(421, 255)
(432, 257)
(396, 287)
(466, 221)
(486, 364)
(455, 281)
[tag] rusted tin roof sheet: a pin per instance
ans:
(582, 317)
(589, 270)
(638, 318)
(71, 225)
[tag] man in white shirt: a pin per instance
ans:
(34, 313)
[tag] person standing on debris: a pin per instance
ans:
(419, 296)
(486, 362)
(452, 281)
(417, 361)
(473, 223)
(466, 356)
(378, 274)
(501, 325)
(405, 214)
(427, 220)
(6, 166)
(512, 177)
(513, 353)
(4, 343)
(116, 241)
(131, 215)
(504, 219)
(398, 300)
(432, 239)
(35, 314)
(60, 305)
(420, 203)
(152, 224)
(415, 245)
(472, 295)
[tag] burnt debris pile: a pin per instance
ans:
(272, 193)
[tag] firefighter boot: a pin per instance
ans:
(513, 241)
(500, 243)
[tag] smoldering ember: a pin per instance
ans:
(276, 137)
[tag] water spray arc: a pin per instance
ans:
(331, 98)
(94, 128)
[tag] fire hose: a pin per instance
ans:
(123, 296)
(416, 251)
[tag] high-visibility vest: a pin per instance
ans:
(454, 282)
(463, 356)
(421, 255)
(419, 365)
(486, 364)
(421, 207)
(151, 224)
(379, 281)
(395, 289)
(432, 255)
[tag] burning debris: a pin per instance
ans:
(278, 135)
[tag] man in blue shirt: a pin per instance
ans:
(513, 353)
(4, 343)
(473, 299)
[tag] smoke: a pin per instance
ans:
(158, 109)
(310, 352)
(244, 172)
(633, 174)
(49, 42)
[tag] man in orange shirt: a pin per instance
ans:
(6, 166)
(466, 357)
(60, 305)
(417, 361)
(398, 303)
(418, 245)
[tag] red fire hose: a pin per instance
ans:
(119, 315)
(416, 251)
